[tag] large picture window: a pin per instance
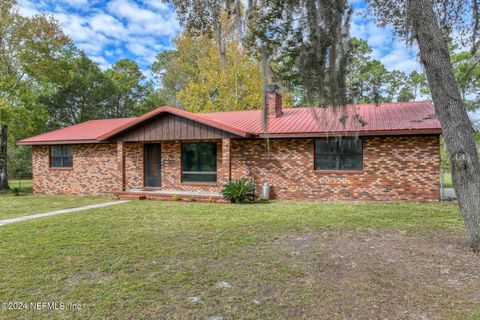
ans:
(199, 162)
(338, 154)
(61, 156)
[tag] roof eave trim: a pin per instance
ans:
(53, 142)
(351, 133)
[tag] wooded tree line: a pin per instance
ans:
(229, 49)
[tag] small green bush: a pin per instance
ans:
(191, 199)
(14, 191)
(240, 190)
(176, 197)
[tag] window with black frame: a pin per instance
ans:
(61, 156)
(199, 162)
(345, 153)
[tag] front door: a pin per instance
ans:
(152, 165)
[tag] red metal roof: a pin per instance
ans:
(85, 132)
(365, 119)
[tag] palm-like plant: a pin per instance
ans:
(239, 191)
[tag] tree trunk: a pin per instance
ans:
(456, 126)
(3, 158)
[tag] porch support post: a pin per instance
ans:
(225, 169)
(121, 164)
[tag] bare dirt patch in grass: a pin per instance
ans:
(385, 274)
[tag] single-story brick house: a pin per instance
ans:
(359, 152)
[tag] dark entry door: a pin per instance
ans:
(152, 165)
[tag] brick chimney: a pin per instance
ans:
(274, 101)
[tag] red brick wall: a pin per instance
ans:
(95, 171)
(394, 168)
(133, 165)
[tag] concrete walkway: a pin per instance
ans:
(54, 213)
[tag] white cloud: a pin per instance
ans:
(475, 115)
(102, 62)
(392, 52)
(143, 51)
(91, 48)
(77, 3)
(111, 30)
(26, 8)
(156, 4)
(141, 20)
(108, 25)
(401, 57)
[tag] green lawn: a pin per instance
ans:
(24, 186)
(279, 260)
(25, 204)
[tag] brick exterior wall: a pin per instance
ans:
(95, 171)
(394, 168)
(133, 165)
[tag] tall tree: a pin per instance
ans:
(375, 77)
(315, 36)
(415, 85)
(396, 82)
(231, 86)
(467, 70)
(153, 99)
(219, 19)
(170, 77)
(369, 81)
(128, 88)
(29, 50)
(429, 23)
(196, 81)
(82, 96)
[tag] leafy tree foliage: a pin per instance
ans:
(29, 51)
(369, 81)
(415, 85)
(170, 76)
(467, 70)
(152, 100)
(128, 90)
(194, 79)
(82, 96)
(313, 35)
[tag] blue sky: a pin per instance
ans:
(109, 30)
(114, 29)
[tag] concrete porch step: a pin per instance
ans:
(170, 195)
(130, 197)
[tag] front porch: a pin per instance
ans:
(192, 170)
